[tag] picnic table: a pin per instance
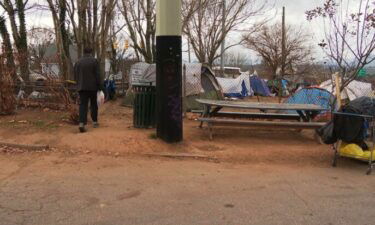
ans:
(278, 114)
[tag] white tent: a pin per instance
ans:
(238, 87)
(146, 73)
(354, 90)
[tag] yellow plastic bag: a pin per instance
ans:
(354, 151)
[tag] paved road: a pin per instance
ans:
(77, 190)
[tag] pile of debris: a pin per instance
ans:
(9, 148)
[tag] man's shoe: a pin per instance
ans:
(96, 124)
(82, 128)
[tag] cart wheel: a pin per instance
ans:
(334, 162)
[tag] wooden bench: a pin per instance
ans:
(250, 123)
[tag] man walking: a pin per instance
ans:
(87, 77)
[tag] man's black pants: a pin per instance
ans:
(86, 97)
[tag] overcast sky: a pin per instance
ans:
(295, 10)
(295, 15)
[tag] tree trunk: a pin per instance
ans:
(19, 33)
(66, 63)
(62, 38)
(22, 42)
(7, 48)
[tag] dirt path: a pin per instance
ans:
(103, 176)
(116, 136)
(52, 188)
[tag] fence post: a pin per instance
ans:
(122, 83)
(337, 81)
(184, 91)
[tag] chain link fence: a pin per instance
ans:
(198, 81)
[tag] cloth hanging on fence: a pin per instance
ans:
(146, 73)
(239, 87)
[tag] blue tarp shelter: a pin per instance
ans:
(259, 86)
(312, 95)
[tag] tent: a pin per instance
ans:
(236, 88)
(200, 82)
(312, 95)
(209, 89)
(274, 86)
(259, 86)
(355, 89)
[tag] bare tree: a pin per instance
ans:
(16, 13)
(140, 23)
(204, 29)
(58, 9)
(237, 59)
(91, 21)
(118, 55)
(40, 38)
(7, 98)
(267, 43)
(7, 71)
(349, 35)
(7, 49)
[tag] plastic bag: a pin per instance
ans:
(100, 98)
(327, 133)
(355, 151)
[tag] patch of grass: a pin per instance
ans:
(52, 126)
(39, 123)
(153, 136)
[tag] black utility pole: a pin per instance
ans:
(283, 56)
(222, 57)
(169, 71)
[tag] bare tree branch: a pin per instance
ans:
(267, 43)
(350, 36)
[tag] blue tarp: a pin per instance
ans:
(316, 96)
(109, 88)
(259, 86)
(284, 83)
